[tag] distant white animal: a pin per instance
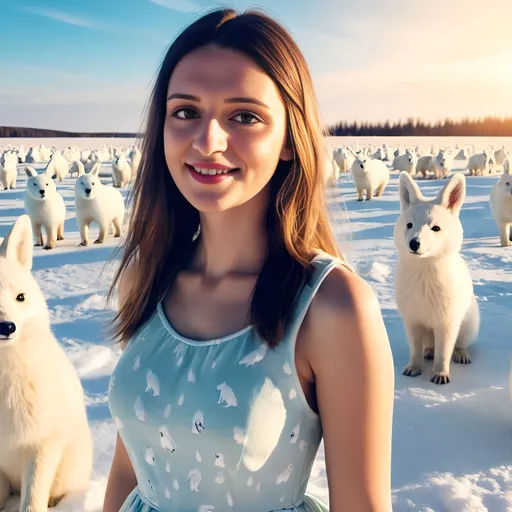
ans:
(45, 206)
(45, 444)
(95, 202)
(57, 167)
(501, 155)
(479, 164)
(406, 162)
(121, 171)
(9, 171)
(344, 158)
(433, 286)
(33, 156)
(369, 176)
(78, 167)
(134, 156)
(439, 165)
(501, 203)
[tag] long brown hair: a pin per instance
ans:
(162, 222)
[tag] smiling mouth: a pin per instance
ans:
(211, 172)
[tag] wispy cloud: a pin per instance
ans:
(177, 5)
(61, 16)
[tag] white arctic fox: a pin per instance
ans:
(45, 442)
(433, 286)
(369, 175)
(501, 203)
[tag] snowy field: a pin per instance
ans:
(452, 445)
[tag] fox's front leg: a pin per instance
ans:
(444, 342)
(415, 339)
(40, 470)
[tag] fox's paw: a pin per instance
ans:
(83, 243)
(411, 371)
(440, 377)
(428, 353)
(461, 356)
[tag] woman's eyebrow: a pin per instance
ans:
(242, 99)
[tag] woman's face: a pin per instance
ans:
(225, 128)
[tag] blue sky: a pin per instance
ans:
(88, 64)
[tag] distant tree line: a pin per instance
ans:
(15, 131)
(486, 127)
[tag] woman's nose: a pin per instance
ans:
(210, 138)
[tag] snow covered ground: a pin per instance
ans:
(452, 445)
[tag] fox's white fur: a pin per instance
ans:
(439, 165)
(102, 204)
(78, 167)
(406, 162)
(45, 442)
(121, 171)
(369, 176)
(480, 164)
(433, 285)
(8, 171)
(45, 206)
(501, 203)
(57, 167)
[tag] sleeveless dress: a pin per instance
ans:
(220, 425)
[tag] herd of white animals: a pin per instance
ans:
(45, 442)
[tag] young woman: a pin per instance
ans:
(246, 337)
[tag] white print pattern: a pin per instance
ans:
(282, 498)
(167, 411)
(194, 479)
(230, 499)
(226, 395)
(166, 441)
(175, 484)
(167, 493)
(167, 467)
(250, 481)
(255, 356)
(219, 479)
(292, 394)
(214, 363)
(258, 487)
(149, 455)
(136, 364)
(111, 383)
(198, 457)
(206, 508)
(286, 368)
(180, 362)
(295, 434)
(119, 423)
(152, 383)
(139, 409)
(219, 460)
(181, 399)
(198, 423)
(283, 477)
(239, 435)
(303, 446)
(191, 376)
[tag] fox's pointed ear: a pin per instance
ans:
(453, 194)
(507, 167)
(18, 244)
(409, 191)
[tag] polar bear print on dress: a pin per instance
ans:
(294, 436)
(168, 467)
(226, 395)
(198, 456)
(139, 409)
(176, 484)
(229, 499)
(255, 356)
(167, 411)
(285, 475)
(181, 399)
(287, 368)
(166, 441)
(136, 364)
(194, 479)
(206, 508)
(303, 446)
(219, 460)
(152, 383)
(219, 478)
(149, 456)
(198, 423)
(167, 493)
(239, 435)
(191, 377)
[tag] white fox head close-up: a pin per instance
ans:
(429, 227)
(40, 186)
(22, 303)
(88, 184)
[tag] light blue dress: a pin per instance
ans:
(220, 425)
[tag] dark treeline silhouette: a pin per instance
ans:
(486, 127)
(13, 131)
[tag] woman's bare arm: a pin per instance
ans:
(121, 479)
(354, 376)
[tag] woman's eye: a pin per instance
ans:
(246, 118)
(184, 113)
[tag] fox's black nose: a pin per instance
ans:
(7, 328)
(87, 191)
(41, 192)
(414, 245)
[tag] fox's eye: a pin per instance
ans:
(508, 183)
(20, 297)
(409, 225)
(436, 228)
